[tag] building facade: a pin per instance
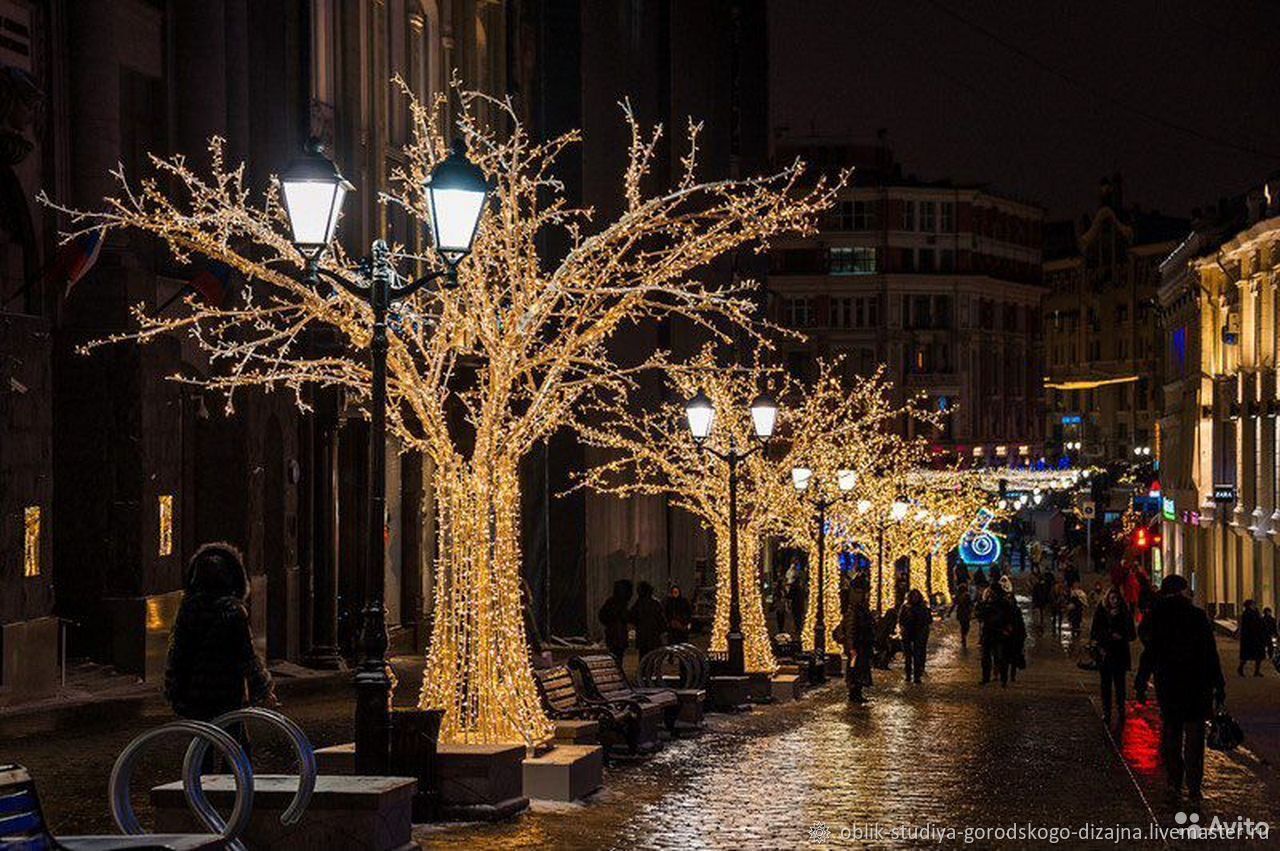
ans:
(1220, 441)
(939, 283)
(113, 474)
(1102, 348)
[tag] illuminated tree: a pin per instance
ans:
(514, 350)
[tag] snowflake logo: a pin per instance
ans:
(819, 833)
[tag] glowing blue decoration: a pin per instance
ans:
(980, 550)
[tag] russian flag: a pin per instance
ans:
(74, 259)
(212, 282)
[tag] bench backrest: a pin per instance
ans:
(603, 675)
(22, 826)
(559, 692)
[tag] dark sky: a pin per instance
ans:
(960, 104)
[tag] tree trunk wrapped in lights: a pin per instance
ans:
(757, 651)
(507, 357)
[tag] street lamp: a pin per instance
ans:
(700, 412)
(313, 191)
(846, 480)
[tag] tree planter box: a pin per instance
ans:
(786, 687)
(352, 812)
(564, 773)
(577, 732)
(729, 694)
(480, 782)
(760, 685)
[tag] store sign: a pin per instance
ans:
(1071, 419)
(1224, 493)
(1191, 518)
(1168, 509)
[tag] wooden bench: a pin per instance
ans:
(23, 828)
(619, 723)
(602, 680)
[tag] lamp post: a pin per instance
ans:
(313, 192)
(897, 512)
(801, 478)
(700, 412)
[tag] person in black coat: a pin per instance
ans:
(649, 618)
(679, 615)
(1012, 656)
(212, 667)
(913, 625)
(613, 616)
(1180, 650)
(1253, 639)
(1269, 630)
(857, 632)
(1111, 632)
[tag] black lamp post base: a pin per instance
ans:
(737, 653)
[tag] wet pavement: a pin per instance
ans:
(934, 764)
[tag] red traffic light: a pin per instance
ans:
(1141, 540)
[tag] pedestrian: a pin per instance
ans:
(1269, 631)
(961, 574)
(990, 623)
(857, 634)
(613, 616)
(796, 595)
(980, 581)
(1180, 651)
(1253, 639)
(1111, 631)
(1011, 656)
(649, 619)
(1077, 600)
(913, 625)
(212, 667)
(962, 605)
(1041, 593)
(1058, 605)
(779, 605)
(679, 615)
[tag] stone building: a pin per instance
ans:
(1220, 445)
(130, 471)
(939, 282)
(1100, 337)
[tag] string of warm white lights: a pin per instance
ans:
(518, 346)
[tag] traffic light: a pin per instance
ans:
(1141, 539)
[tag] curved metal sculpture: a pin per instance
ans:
(193, 789)
(122, 773)
(687, 659)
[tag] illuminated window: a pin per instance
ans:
(166, 524)
(31, 545)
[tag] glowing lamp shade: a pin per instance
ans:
(800, 477)
(864, 505)
(701, 414)
(847, 479)
(456, 192)
(899, 510)
(764, 416)
(313, 191)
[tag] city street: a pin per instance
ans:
(947, 754)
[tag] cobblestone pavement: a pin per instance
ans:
(948, 754)
(945, 754)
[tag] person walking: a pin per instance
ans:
(613, 617)
(1041, 593)
(1269, 631)
(649, 619)
(1253, 639)
(796, 595)
(1180, 651)
(857, 633)
(212, 667)
(991, 621)
(913, 625)
(1077, 600)
(679, 615)
(1111, 631)
(1011, 657)
(962, 606)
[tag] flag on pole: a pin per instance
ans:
(212, 282)
(74, 259)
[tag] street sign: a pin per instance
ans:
(1088, 510)
(1224, 493)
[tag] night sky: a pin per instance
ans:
(960, 104)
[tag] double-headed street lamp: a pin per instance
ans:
(801, 479)
(897, 513)
(313, 192)
(700, 412)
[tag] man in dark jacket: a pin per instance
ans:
(1111, 631)
(613, 617)
(963, 608)
(1179, 649)
(212, 667)
(679, 615)
(649, 619)
(913, 625)
(857, 633)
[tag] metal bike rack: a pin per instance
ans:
(206, 734)
(193, 789)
